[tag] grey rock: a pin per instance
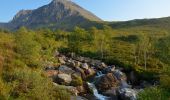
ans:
(64, 79)
(65, 69)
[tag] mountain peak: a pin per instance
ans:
(62, 13)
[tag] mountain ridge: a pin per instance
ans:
(57, 14)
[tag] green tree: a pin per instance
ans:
(27, 48)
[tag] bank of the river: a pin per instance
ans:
(93, 79)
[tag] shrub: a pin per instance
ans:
(153, 93)
(76, 81)
(28, 84)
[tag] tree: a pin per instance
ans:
(27, 48)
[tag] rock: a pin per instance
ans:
(72, 89)
(101, 66)
(78, 98)
(64, 79)
(81, 59)
(106, 82)
(77, 74)
(145, 84)
(119, 75)
(128, 94)
(77, 64)
(65, 69)
(133, 78)
(87, 60)
(78, 69)
(56, 54)
(81, 89)
(61, 60)
(50, 68)
(89, 71)
(71, 63)
(95, 62)
(112, 93)
(85, 66)
(109, 69)
(51, 73)
(123, 84)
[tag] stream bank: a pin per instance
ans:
(107, 82)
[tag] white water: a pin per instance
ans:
(95, 92)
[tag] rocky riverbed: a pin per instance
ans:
(92, 79)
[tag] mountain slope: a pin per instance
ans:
(57, 14)
(156, 23)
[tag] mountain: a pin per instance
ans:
(163, 23)
(63, 14)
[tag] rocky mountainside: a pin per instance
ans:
(58, 14)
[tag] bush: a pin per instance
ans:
(153, 93)
(76, 81)
(28, 84)
(165, 82)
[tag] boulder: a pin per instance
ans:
(95, 62)
(65, 69)
(132, 77)
(89, 71)
(123, 84)
(77, 98)
(56, 53)
(77, 64)
(64, 79)
(128, 94)
(112, 93)
(78, 69)
(101, 66)
(61, 60)
(51, 73)
(81, 89)
(85, 66)
(106, 82)
(119, 75)
(109, 69)
(72, 89)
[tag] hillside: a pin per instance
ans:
(63, 14)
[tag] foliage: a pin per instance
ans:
(153, 93)
(76, 81)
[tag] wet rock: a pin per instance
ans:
(119, 75)
(77, 98)
(63, 79)
(145, 84)
(128, 94)
(65, 69)
(109, 69)
(123, 84)
(132, 77)
(112, 93)
(106, 82)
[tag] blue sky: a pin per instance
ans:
(109, 10)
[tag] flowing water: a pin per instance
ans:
(95, 92)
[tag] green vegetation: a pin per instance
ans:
(77, 81)
(24, 53)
